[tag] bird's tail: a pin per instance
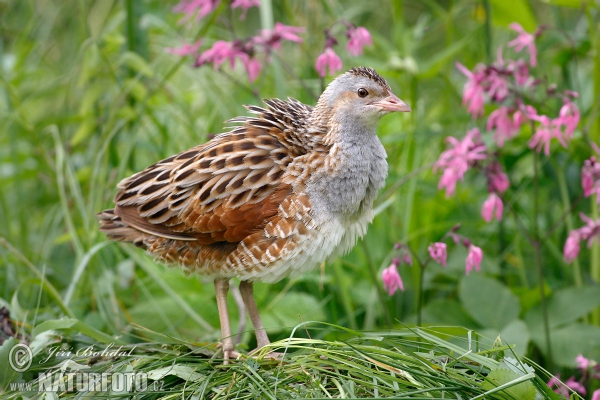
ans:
(117, 229)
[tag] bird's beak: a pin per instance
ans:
(392, 103)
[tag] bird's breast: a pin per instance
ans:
(346, 185)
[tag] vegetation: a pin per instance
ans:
(89, 94)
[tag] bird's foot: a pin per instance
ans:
(228, 353)
(272, 355)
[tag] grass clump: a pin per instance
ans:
(444, 363)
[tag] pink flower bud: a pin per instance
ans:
(438, 252)
(493, 203)
(328, 59)
(473, 259)
(391, 279)
(571, 250)
(590, 178)
(358, 38)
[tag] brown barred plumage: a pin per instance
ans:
(274, 196)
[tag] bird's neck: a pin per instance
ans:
(343, 128)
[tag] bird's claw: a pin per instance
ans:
(228, 353)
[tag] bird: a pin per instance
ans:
(274, 196)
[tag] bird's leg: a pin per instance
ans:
(246, 289)
(239, 302)
(221, 289)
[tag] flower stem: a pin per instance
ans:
(595, 262)
(266, 21)
(538, 254)
(421, 292)
(375, 279)
(488, 31)
(564, 194)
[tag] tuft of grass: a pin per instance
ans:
(448, 363)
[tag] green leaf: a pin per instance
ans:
(565, 306)
(7, 374)
(488, 301)
(504, 12)
(182, 371)
(497, 377)
(516, 333)
(575, 339)
(77, 326)
(447, 312)
(136, 63)
(292, 309)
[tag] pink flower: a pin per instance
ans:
(524, 40)
(438, 252)
(520, 117)
(571, 250)
(497, 87)
(230, 51)
(563, 388)
(289, 33)
(457, 160)
(473, 259)
(185, 49)
(473, 92)
(220, 52)
(407, 259)
(252, 66)
(492, 203)
(245, 5)
(506, 128)
(199, 7)
(590, 230)
(569, 117)
(576, 386)
(520, 71)
(358, 38)
(497, 180)
(590, 178)
(328, 58)
(272, 38)
(391, 278)
(582, 362)
(547, 129)
(596, 395)
(560, 387)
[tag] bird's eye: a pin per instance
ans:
(362, 92)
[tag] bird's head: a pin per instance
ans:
(360, 96)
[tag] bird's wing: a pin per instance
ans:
(221, 191)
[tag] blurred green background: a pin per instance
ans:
(88, 96)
